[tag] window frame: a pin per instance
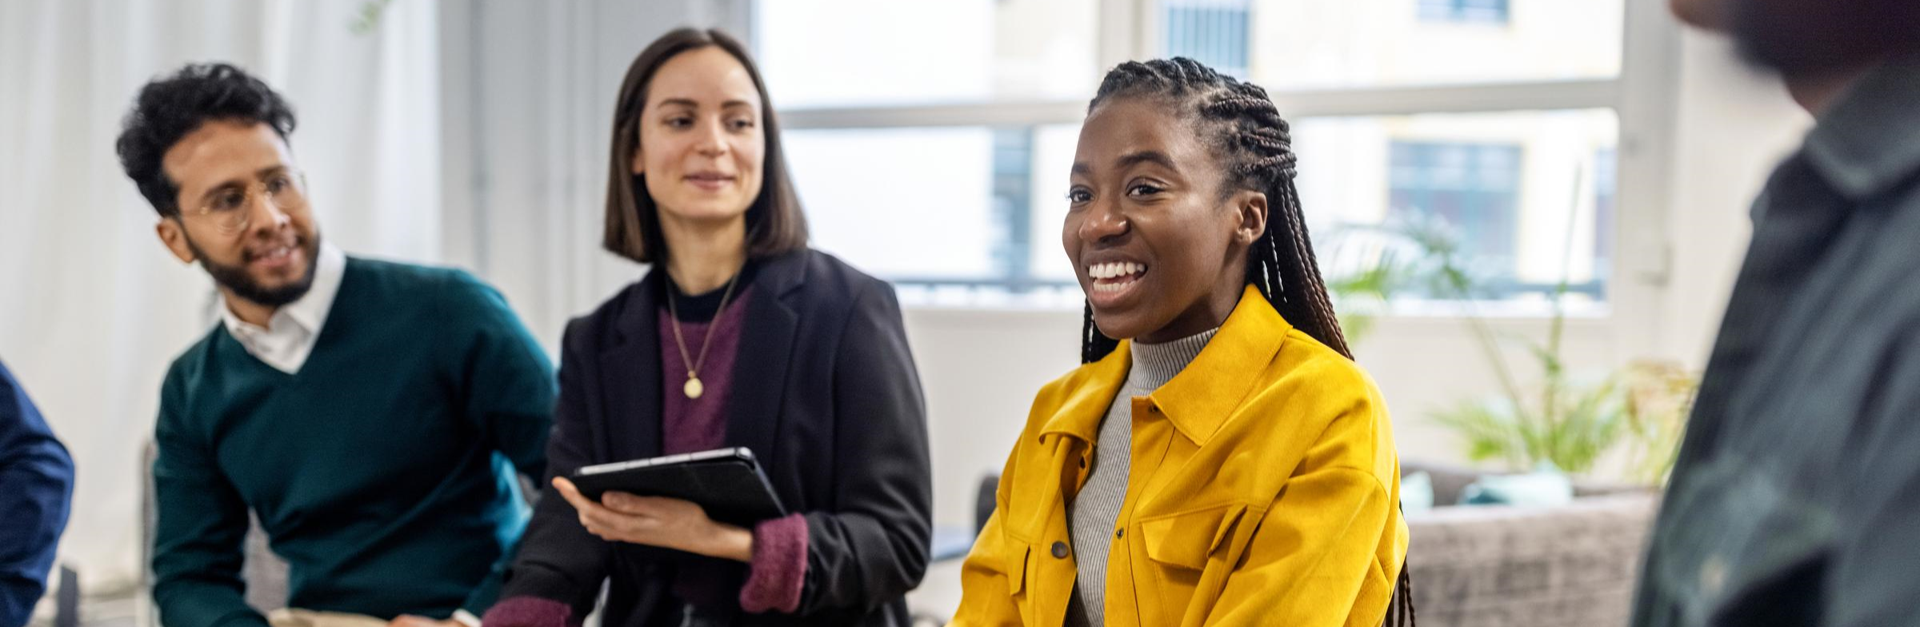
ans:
(1458, 12)
(1643, 96)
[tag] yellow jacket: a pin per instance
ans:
(1264, 490)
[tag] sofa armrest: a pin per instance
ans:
(1490, 566)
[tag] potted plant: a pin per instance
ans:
(1558, 420)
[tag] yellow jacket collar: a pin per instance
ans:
(1198, 399)
(1093, 388)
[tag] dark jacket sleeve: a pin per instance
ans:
(508, 387)
(36, 484)
(1878, 543)
(558, 559)
(873, 547)
(197, 543)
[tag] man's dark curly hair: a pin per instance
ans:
(170, 107)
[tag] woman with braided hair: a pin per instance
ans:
(1219, 459)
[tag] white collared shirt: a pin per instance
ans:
(290, 334)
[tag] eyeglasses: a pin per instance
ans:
(227, 209)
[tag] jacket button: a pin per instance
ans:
(1060, 550)
(1120, 533)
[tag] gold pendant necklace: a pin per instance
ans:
(694, 388)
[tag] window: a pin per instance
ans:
(1304, 44)
(1475, 187)
(1605, 172)
(1472, 11)
(815, 54)
(1213, 32)
(947, 211)
(1516, 190)
(941, 164)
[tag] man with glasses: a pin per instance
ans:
(372, 415)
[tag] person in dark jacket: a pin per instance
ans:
(739, 336)
(1795, 499)
(36, 485)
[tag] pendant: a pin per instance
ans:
(694, 388)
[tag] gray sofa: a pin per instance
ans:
(1495, 566)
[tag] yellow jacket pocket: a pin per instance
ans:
(1187, 539)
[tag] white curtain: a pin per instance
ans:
(92, 308)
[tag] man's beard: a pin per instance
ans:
(1802, 36)
(236, 279)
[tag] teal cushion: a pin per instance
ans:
(1545, 487)
(1416, 492)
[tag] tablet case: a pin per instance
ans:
(728, 483)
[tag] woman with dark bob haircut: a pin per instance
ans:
(738, 336)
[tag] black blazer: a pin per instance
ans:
(826, 395)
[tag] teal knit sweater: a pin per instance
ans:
(384, 471)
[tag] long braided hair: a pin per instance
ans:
(1240, 124)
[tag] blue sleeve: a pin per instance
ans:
(559, 560)
(509, 387)
(36, 485)
(505, 374)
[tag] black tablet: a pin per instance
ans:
(727, 482)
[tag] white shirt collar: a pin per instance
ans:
(290, 334)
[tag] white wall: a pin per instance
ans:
(1734, 125)
(980, 370)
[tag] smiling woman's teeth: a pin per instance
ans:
(1104, 275)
